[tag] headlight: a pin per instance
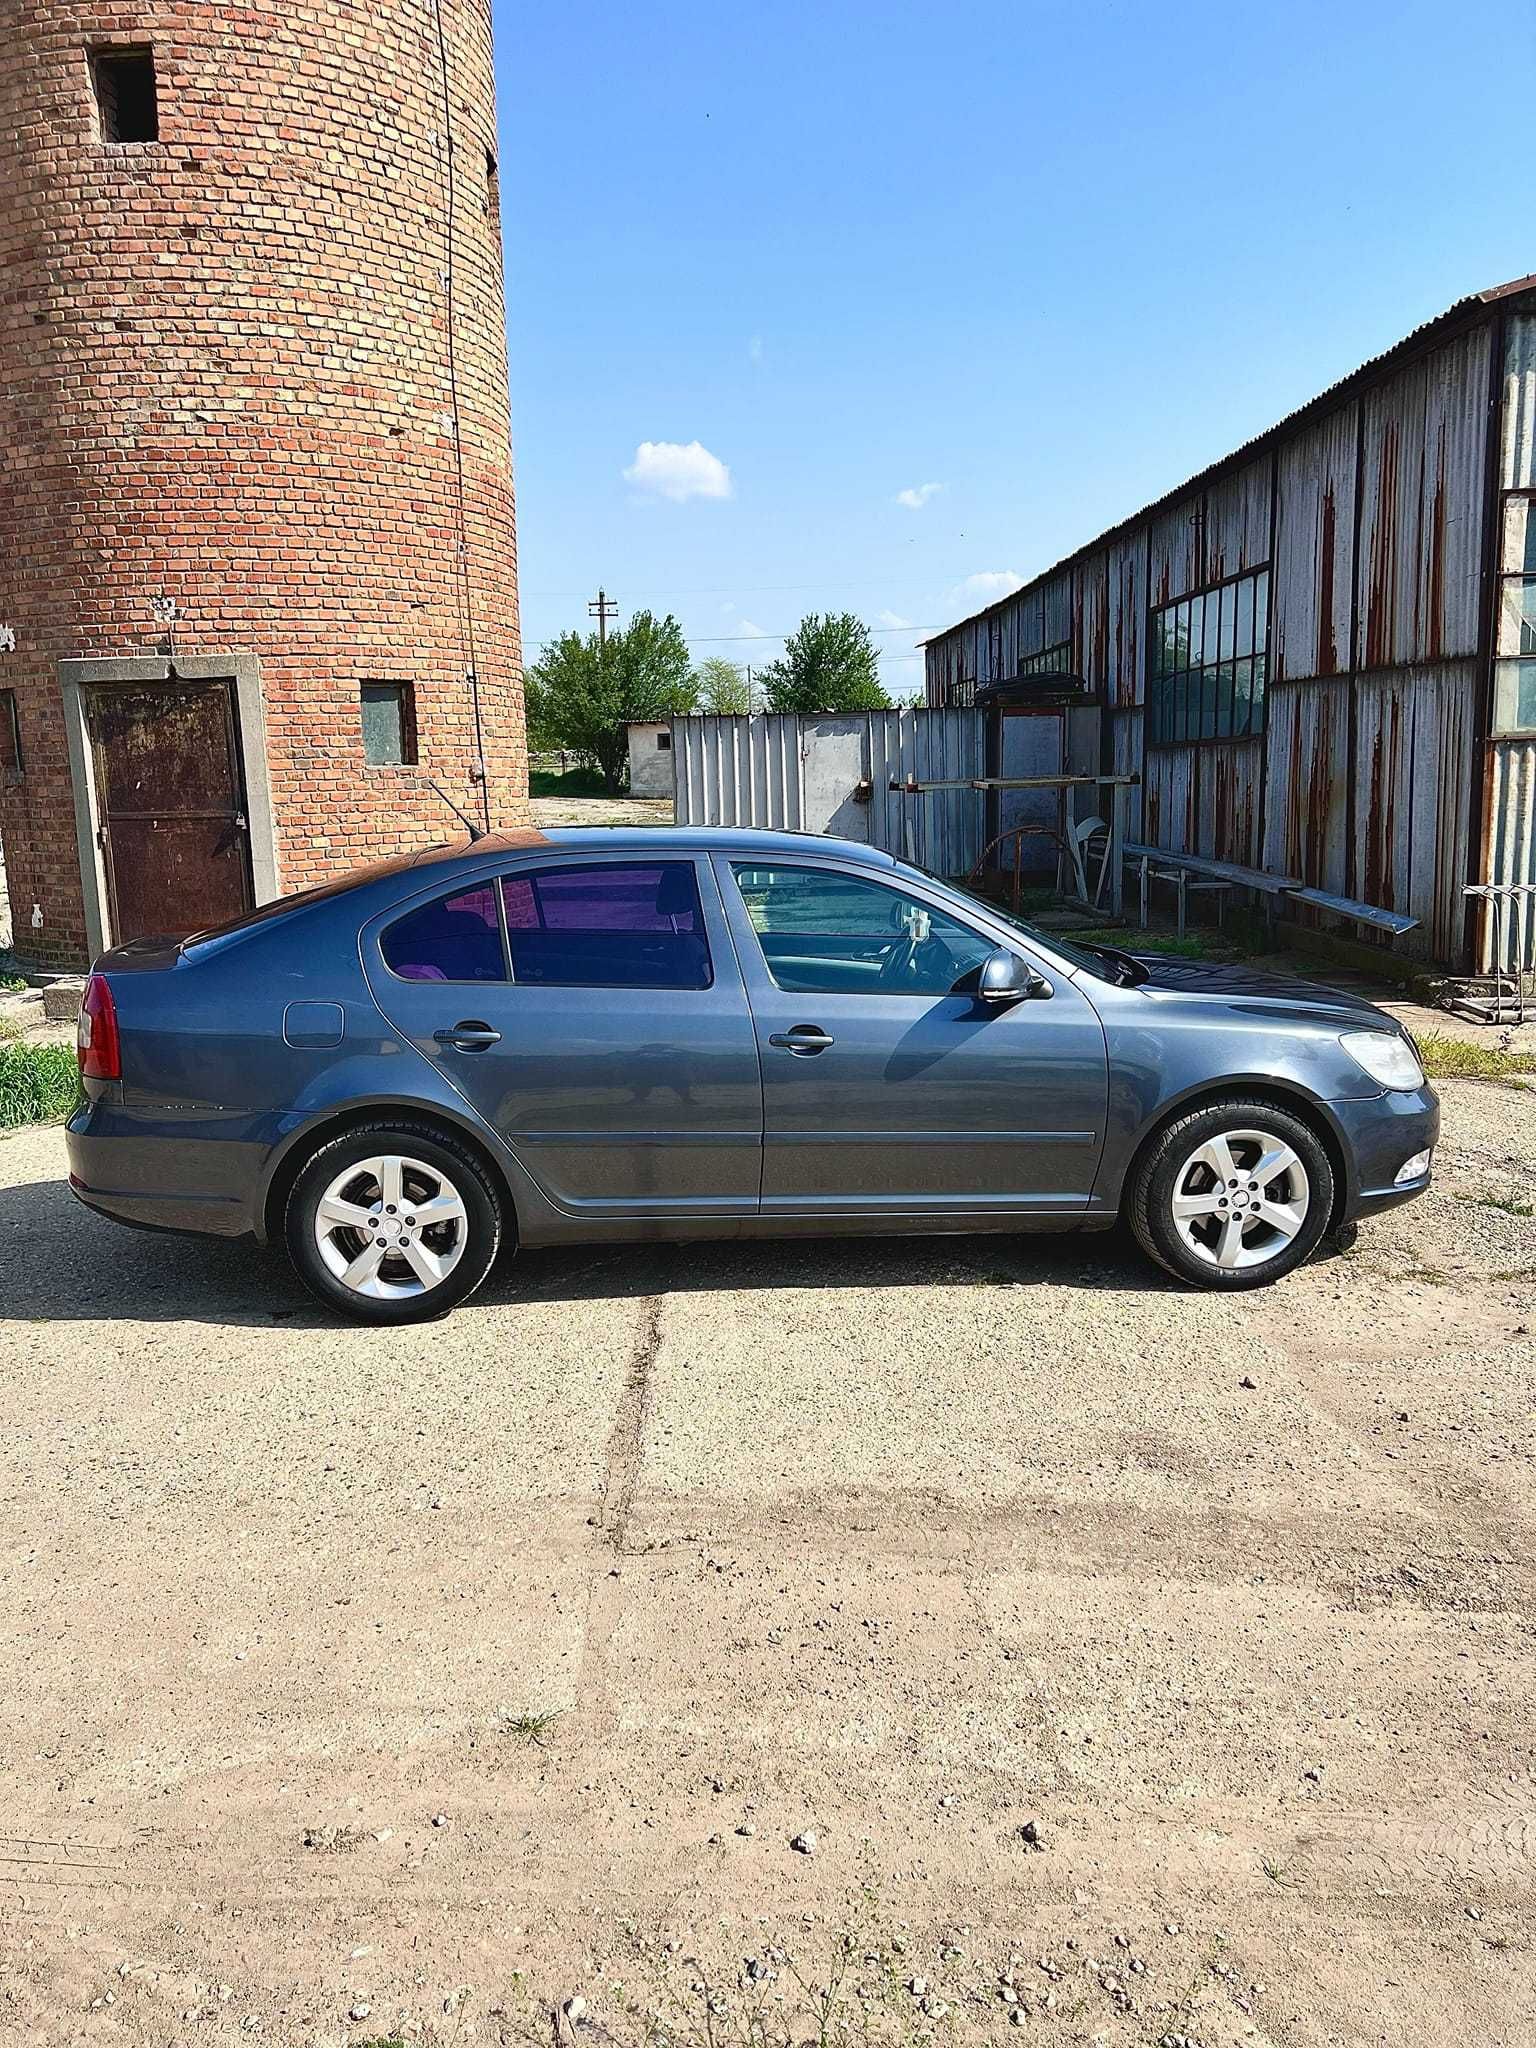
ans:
(1386, 1057)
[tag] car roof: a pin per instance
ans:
(624, 840)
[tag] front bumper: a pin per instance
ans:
(1380, 1134)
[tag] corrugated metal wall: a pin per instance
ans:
(1372, 521)
(792, 774)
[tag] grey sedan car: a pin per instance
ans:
(542, 1039)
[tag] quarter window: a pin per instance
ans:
(458, 938)
(828, 934)
(630, 926)
(1207, 663)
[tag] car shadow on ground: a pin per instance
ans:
(59, 1262)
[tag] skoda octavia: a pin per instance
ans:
(542, 1039)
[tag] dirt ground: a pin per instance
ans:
(547, 811)
(408, 1685)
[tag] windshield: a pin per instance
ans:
(1107, 963)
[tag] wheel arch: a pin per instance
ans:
(303, 1144)
(1295, 1101)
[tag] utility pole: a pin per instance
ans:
(602, 608)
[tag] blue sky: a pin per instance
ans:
(1050, 259)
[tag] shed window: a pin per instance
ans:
(389, 724)
(10, 738)
(127, 107)
(1049, 661)
(1514, 681)
(1207, 663)
(664, 741)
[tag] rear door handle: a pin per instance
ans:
(470, 1036)
(803, 1038)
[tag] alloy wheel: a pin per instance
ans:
(391, 1227)
(1240, 1198)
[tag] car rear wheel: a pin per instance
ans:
(393, 1223)
(1233, 1196)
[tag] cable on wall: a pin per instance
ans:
(467, 618)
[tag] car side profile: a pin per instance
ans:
(565, 1037)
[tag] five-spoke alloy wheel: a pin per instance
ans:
(393, 1224)
(1233, 1195)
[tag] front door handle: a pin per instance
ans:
(803, 1039)
(470, 1036)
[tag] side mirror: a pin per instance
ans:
(1005, 978)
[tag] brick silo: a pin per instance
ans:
(257, 551)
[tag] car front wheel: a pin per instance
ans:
(393, 1223)
(1233, 1195)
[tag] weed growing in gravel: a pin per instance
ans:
(530, 1727)
(1506, 1203)
(1453, 1059)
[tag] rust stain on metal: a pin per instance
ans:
(1431, 625)
(1327, 646)
(1381, 588)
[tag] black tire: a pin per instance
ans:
(467, 1247)
(1169, 1169)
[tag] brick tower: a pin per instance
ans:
(257, 551)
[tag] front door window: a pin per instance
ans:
(830, 934)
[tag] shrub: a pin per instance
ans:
(38, 1083)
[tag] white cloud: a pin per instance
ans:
(678, 470)
(746, 630)
(894, 620)
(989, 583)
(917, 496)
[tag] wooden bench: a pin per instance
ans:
(1193, 872)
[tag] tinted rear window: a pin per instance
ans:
(457, 938)
(626, 926)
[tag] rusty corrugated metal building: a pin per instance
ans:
(1320, 653)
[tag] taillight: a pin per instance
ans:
(98, 1050)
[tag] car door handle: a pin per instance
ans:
(803, 1038)
(470, 1036)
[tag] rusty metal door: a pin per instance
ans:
(173, 829)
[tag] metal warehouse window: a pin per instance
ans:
(389, 724)
(1514, 687)
(1208, 662)
(127, 105)
(1048, 661)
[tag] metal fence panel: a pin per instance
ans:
(790, 774)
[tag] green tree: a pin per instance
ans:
(722, 687)
(828, 664)
(581, 694)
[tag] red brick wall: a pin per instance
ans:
(224, 374)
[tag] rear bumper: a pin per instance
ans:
(155, 1177)
(1380, 1135)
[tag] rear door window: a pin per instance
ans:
(628, 925)
(457, 938)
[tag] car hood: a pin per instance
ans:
(1248, 985)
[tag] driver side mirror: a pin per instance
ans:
(1005, 978)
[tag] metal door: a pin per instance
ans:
(898, 1104)
(172, 825)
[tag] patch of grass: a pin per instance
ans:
(1454, 1059)
(1193, 945)
(333, 1841)
(1277, 1873)
(13, 984)
(574, 782)
(530, 1727)
(38, 1083)
(1506, 1203)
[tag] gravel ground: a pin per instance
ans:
(368, 1686)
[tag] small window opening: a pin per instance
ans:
(10, 738)
(492, 187)
(664, 741)
(389, 724)
(126, 104)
